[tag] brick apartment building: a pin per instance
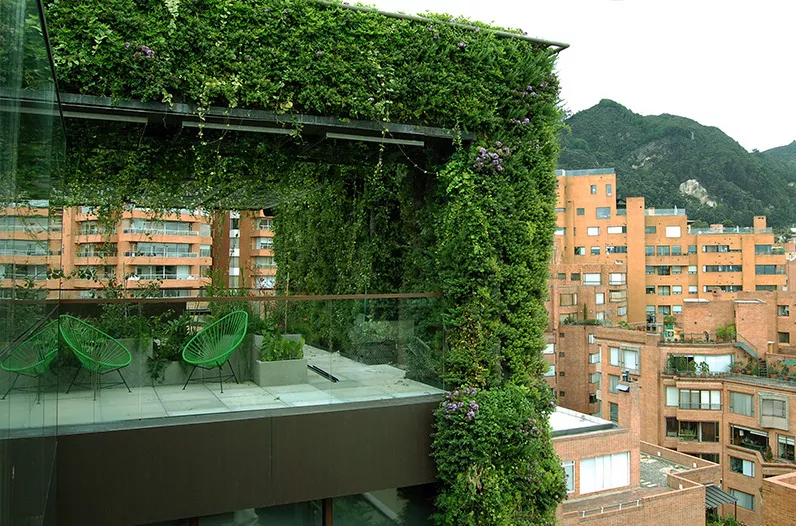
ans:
(176, 249)
(614, 262)
(746, 423)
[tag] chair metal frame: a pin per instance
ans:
(233, 325)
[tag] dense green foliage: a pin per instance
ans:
(275, 348)
(476, 224)
(785, 154)
(653, 155)
(491, 452)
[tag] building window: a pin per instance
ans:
(560, 231)
(617, 229)
(561, 373)
(569, 475)
(692, 269)
(664, 270)
(742, 404)
(664, 290)
(649, 270)
(580, 251)
(613, 412)
(561, 209)
(592, 279)
(551, 371)
(649, 250)
(575, 276)
(699, 431)
(593, 231)
(715, 248)
(595, 251)
(677, 289)
(617, 278)
(704, 399)
(763, 249)
(605, 472)
(580, 211)
(568, 299)
(603, 212)
(621, 311)
(692, 249)
(592, 339)
(613, 382)
(692, 289)
(783, 337)
(783, 310)
(621, 249)
(748, 438)
(677, 309)
(664, 250)
(672, 427)
(673, 231)
(594, 358)
(562, 394)
(672, 396)
(599, 298)
(768, 269)
(766, 288)
(617, 296)
(561, 276)
(664, 310)
(775, 408)
(593, 189)
(745, 500)
(608, 189)
(599, 316)
(650, 229)
(785, 448)
(677, 250)
(744, 467)
(614, 356)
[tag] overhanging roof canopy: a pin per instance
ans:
(89, 107)
(715, 496)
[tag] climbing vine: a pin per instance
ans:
(473, 220)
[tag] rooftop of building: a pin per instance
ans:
(565, 422)
(591, 171)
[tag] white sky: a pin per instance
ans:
(724, 63)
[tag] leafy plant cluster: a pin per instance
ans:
(275, 348)
(474, 221)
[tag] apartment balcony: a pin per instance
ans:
(161, 254)
(160, 232)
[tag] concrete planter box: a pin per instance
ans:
(175, 373)
(135, 374)
(283, 372)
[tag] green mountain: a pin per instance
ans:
(786, 154)
(674, 161)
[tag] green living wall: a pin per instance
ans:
(474, 220)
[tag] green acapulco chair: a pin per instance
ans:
(97, 352)
(33, 356)
(212, 346)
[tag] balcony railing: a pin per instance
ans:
(664, 212)
(161, 254)
(265, 265)
(25, 277)
(14, 252)
(161, 276)
(96, 254)
(160, 231)
(700, 406)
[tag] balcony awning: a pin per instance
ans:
(715, 496)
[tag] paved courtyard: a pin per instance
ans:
(356, 383)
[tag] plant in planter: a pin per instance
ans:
(374, 342)
(703, 369)
(736, 368)
(165, 365)
(281, 361)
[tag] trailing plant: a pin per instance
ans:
(502, 470)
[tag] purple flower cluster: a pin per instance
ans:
(452, 404)
(526, 121)
(492, 159)
(436, 35)
(462, 45)
(141, 51)
(530, 428)
(319, 52)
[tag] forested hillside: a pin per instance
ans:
(655, 155)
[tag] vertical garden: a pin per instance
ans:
(471, 217)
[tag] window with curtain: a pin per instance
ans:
(742, 404)
(605, 472)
